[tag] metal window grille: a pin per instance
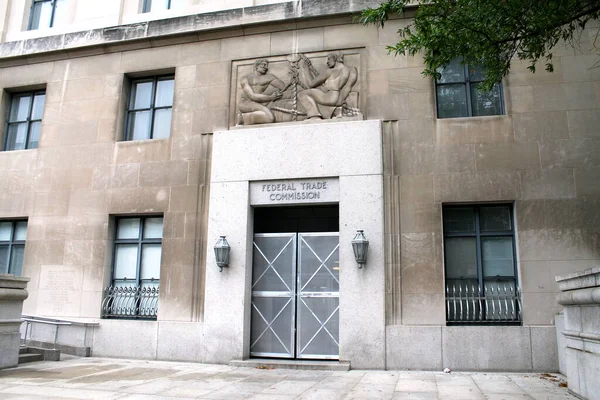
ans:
(135, 283)
(151, 109)
(137, 302)
(469, 80)
(24, 120)
(496, 303)
(12, 246)
(480, 264)
(43, 14)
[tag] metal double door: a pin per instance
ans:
(295, 296)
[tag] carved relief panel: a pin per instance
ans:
(297, 87)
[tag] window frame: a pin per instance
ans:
(478, 234)
(467, 87)
(146, 8)
(129, 111)
(12, 242)
(31, 13)
(28, 120)
(140, 241)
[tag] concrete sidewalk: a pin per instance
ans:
(100, 378)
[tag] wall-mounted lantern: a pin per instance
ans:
(360, 245)
(222, 250)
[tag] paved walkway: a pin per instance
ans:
(100, 378)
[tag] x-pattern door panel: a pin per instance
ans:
(295, 296)
(318, 296)
(273, 295)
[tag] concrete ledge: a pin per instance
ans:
(235, 18)
(293, 364)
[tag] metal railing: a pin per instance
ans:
(494, 303)
(57, 323)
(131, 302)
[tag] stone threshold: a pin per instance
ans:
(271, 363)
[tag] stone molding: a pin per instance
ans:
(199, 23)
(579, 280)
(13, 282)
(579, 297)
(12, 294)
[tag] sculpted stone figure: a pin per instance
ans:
(330, 88)
(254, 101)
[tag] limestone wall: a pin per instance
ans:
(544, 155)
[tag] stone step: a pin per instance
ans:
(30, 357)
(44, 354)
(292, 364)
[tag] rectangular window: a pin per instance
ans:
(154, 5)
(458, 95)
(12, 246)
(135, 277)
(149, 108)
(46, 13)
(480, 261)
(24, 121)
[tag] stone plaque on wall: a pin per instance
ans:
(60, 290)
(297, 87)
(298, 191)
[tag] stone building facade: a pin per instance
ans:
(391, 166)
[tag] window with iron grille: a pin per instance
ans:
(135, 280)
(12, 246)
(46, 13)
(458, 93)
(24, 120)
(149, 108)
(480, 263)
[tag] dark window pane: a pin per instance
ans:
(6, 231)
(17, 135)
(495, 218)
(497, 256)
(153, 228)
(162, 123)
(459, 220)
(38, 106)
(452, 101)
(21, 230)
(16, 260)
(476, 73)
(129, 228)
(454, 72)
(126, 261)
(486, 103)
(19, 110)
(141, 95)
(3, 259)
(461, 258)
(151, 254)
(34, 135)
(41, 15)
(164, 93)
(139, 125)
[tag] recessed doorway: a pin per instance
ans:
(295, 283)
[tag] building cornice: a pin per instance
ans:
(191, 24)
